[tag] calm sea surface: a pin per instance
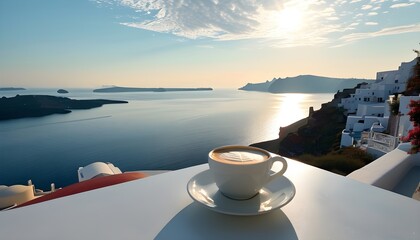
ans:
(168, 130)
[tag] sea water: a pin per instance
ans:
(155, 130)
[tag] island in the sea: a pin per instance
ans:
(62, 91)
(22, 106)
(11, 89)
(304, 84)
(131, 89)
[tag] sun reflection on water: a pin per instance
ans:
(277, 110)
(289, 108)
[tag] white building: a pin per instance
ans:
(368, 105)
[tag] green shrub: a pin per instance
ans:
(343, 161)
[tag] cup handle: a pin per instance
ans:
(281, 172)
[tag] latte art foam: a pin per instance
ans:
(239, 156)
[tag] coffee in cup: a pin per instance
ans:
(241, 171)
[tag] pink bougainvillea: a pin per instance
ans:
(414, 134)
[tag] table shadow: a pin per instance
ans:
(197, 222)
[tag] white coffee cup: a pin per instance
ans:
(241, 171)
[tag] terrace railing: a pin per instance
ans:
(382, 142)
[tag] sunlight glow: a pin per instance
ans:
(289, 109)
(290, 20)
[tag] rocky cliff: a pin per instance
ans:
(317, 134)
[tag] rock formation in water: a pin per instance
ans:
(63, 91)
(22, 106)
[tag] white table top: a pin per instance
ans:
(326, 206)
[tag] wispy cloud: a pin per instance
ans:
(401, 5)
(383, 32)
(195, 19)
(366, 7)
(280, 23)
(267, 20)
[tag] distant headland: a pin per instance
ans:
(11, 89)
(22, 106)
(304, 84)
(130, 89)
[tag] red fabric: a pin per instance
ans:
(87, 185)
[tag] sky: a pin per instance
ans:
(200, 43)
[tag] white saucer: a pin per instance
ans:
(276, 194)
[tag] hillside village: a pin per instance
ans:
(377, 112)
(359, 125)
(371, 147)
